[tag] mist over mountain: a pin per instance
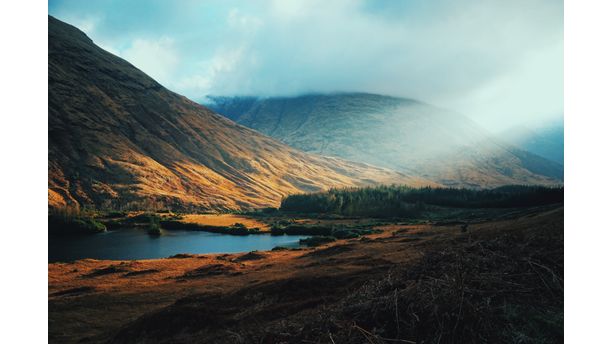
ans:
(296, 171)
(498, 62)
(397, 133)
(117, 138)
(545, 140)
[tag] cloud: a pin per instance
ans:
(214, 72)
(158, 58)
(87, 24)
(497, 61)
(247, 23)
(532, 91)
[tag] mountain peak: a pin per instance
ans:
(397, 133)
(117, 138)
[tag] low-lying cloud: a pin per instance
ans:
(500, 62)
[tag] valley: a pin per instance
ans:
(342, 217)
(119, 139)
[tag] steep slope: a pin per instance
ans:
(544, 140)
(397, 133)
(117, 138)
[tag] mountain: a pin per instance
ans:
(545, 140)
(117, 138)
(397, 133)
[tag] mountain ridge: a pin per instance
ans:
(397, 133)
(545, 140)
(119, 139)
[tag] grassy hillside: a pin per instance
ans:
(401, 134)
(544, 140)
(118, 139)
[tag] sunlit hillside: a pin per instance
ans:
(117, 138)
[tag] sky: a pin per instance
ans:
(499, 62)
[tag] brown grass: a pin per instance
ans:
(502, 280)
(223, 220)
(173, 152)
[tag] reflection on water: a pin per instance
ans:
(136, 244)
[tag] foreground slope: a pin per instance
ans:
(501, 282)
(397, 133)
(119, 138)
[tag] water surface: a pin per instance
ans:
(127, 244)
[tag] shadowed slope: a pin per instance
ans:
(397, 133)
(545, 140)
(119, 138)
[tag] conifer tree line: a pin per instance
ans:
(397, 200)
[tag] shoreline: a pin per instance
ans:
(124, 295)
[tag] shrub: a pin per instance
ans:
(144, 218)
(116, 214)
(317, 240)
(74, 225)
(269, 210)
(154, 231)
(296, 229)
(277, 230)
(239, 229)
(154, 228)
(319, 230)
(235, 229)
(346, 233)
(115, 224)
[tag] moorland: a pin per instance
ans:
(442, 273)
